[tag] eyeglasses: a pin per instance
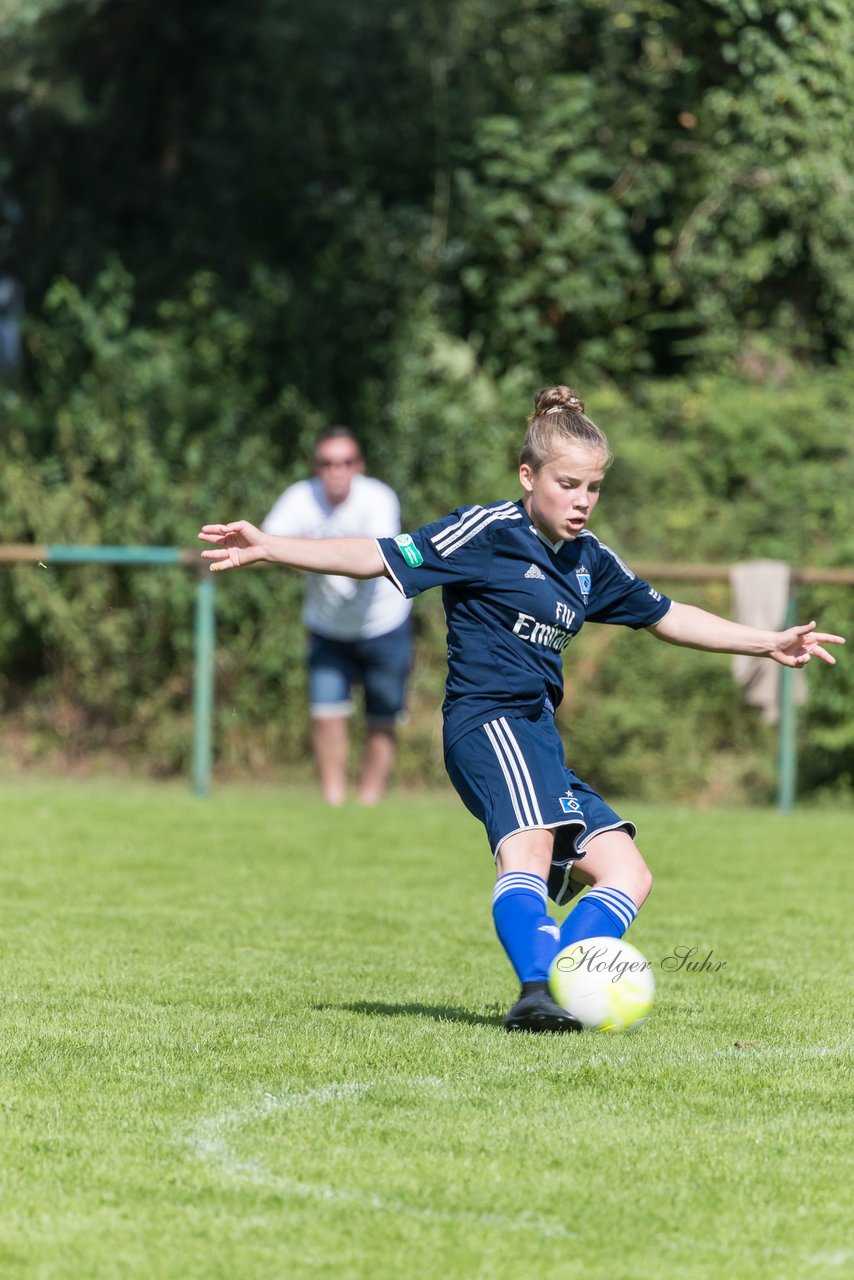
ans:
(326, 464)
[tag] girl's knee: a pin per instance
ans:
(632, 875)
(615, 860)
(635, 877)
(644, 882)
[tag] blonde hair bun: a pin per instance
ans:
(553, 399)
(559, 420)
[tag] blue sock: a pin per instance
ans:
(602, 913)
(528, 934)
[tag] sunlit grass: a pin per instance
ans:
(249, 1037)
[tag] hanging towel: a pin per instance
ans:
(760, 590)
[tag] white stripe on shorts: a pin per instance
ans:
(516, 750)
(507, 778)
(523, 797)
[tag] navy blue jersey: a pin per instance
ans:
(513, 601)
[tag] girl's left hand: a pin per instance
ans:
(796, 646)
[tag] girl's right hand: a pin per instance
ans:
(236, 545)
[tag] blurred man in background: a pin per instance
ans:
(358, 631)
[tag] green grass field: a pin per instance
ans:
(246, 1037)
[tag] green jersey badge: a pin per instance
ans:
(408, 550)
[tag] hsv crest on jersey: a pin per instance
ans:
(535, 572)
(584, 580)
(585, 533)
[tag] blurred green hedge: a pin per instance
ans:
(139, 434)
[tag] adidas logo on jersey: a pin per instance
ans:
(535, 572)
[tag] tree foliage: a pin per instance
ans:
(233, 223)
(624, 186)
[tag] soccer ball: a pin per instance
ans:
(604, 982)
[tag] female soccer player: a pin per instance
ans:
(518, 579)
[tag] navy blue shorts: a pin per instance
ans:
(512, 775)
(380, 665)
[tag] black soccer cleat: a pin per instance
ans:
(536, 1011)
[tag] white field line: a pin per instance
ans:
(213, 1139)
(745, 1051)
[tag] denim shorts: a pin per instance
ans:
(511, 774)
(380, 665)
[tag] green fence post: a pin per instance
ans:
(203, 683)
(787, 761)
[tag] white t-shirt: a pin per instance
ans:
(343, 608)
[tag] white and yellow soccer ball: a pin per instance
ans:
(604, 982)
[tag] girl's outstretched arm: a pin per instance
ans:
(697, 629)
(241, 543)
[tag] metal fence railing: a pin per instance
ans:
(205, 623)
(203, 629)
(787, 752)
